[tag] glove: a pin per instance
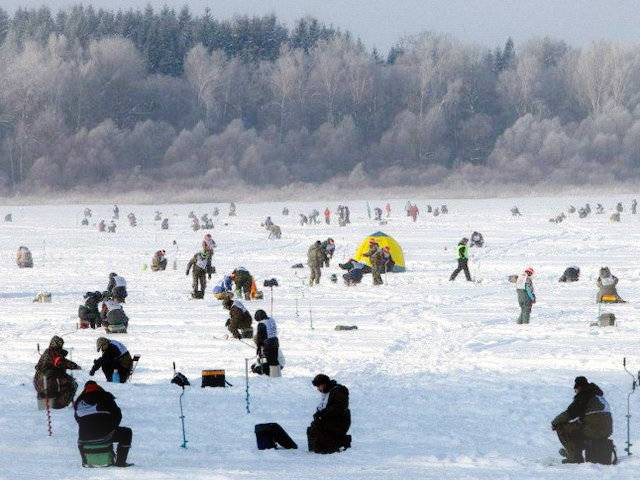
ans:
(209, 276)
(187, 274)
(92, 372)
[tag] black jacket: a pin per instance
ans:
(112, 357)
(335, 417)
(97, 415)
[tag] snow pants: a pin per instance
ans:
(525, 306)
(572, 439)
(314, 278)
(463, 265)
(199, 282)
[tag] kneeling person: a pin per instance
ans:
(239, 322)
(115, 358)
(332, 420)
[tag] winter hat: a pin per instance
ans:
(581, 382)
(227, 303)
(56, 342)
(320, 379)
(529, 271)
(91, 386)
(260, 315)
(101, 343)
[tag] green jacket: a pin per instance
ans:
(463, 251)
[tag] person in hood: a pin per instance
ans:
(462, 251)
(587, 418)
(316, 258)
(607, 286)
(51, 379)
(99, 418)
(266, 339)
(526, 295)
(239, 321)
(571, 274)
(332, 419)
(115, 357)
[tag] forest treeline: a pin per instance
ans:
(141, 99)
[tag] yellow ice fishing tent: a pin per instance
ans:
(383, 240)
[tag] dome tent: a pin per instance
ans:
(383, 240)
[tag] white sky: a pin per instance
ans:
(381, 23)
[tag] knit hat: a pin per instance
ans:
(320, 379)
(260, 315)
(581, 382)
(529, 271)
(227, 303)
(91, 386)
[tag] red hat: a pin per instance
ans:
(529, 271)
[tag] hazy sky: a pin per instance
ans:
(381, 23)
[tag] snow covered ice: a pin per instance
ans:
(443, 382)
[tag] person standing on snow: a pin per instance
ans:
(266, 339)
(587, 418)
(327, 216)
(526, 295)
(98, 418)
(463, 260)
(316, 258)
(376, 258)
(201, 263)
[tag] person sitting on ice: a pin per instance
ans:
(356, 271)
(98, 418)
(332, 419)
(88, 313)
(24, 259)
(115, 358)
(51, 379)
(117, 287)
(114, 320)
(571, 274)
(159, 261)
(585, 424)
(477, 240)
(607, 292)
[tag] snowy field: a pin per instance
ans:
(443, 382)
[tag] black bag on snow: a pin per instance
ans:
(272, 435)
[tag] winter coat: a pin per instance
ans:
(201, 264)
(524, 282)
(571, 274)
(591, 409)
(328, 248)
(243, 279)
(225, 285)
(606, 284)
(239, 319)
(97, 414)
(116, 355)
(316, 255)
(54, 362)
(158, 262)
(334, 415)
(463, 251)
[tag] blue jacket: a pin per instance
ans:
(225, 285)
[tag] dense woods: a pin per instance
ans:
(137, 99)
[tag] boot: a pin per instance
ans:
(121, 456)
